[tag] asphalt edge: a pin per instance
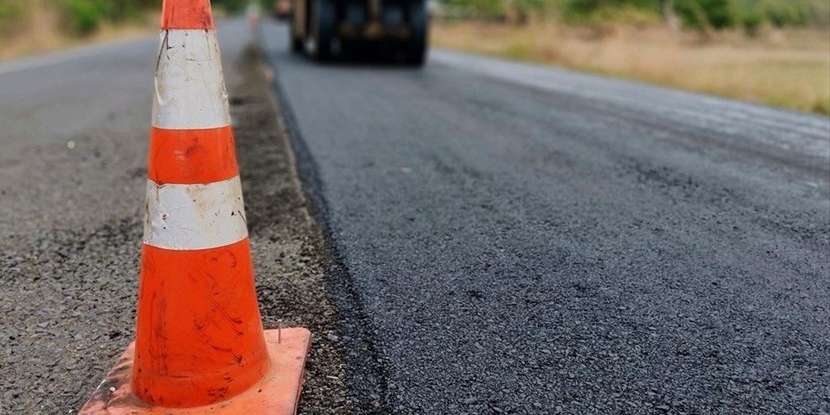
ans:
(366, 375)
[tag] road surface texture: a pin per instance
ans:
(505, 238)
(72, 179)
(516, 239)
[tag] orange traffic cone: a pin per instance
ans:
(199, 343)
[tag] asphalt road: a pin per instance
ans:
(518, 239)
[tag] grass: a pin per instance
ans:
(789, 69)
(40, 29)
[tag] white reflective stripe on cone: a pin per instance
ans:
(194, 216)
(190, 87)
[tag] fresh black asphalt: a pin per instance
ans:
(517, 239)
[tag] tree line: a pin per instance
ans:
(82, 17)
(691, 14)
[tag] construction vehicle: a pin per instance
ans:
(374, 29)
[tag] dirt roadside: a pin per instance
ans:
(288, 248)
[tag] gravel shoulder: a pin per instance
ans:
(289, 251)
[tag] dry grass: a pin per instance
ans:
(40, 30)
(786, 69)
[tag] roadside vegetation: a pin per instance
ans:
(32, 26)
(774, 52)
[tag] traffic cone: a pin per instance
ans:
(200, 347)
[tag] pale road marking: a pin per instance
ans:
(56, 58)
(194, 216)
(190, 88)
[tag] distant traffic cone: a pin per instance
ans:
(199, 343)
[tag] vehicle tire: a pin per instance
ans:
(296, 45)
(416, 45)
(322, 29)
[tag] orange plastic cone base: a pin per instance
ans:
(277, 393)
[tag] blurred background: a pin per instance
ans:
(773, 52)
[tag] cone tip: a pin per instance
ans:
(186, 14)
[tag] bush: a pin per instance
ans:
(703, 14)
(84, 16)
(696, 14)
(784, 14)
(481, 9)
(600, 11)
(751, 22)
(8, 10)
(526, 8)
